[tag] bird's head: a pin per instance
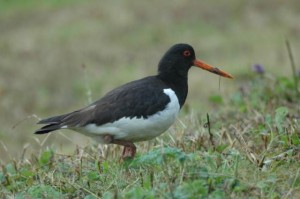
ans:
(180, 58)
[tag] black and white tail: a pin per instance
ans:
(51, 124)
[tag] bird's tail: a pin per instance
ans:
(48, 128)
(51, 124)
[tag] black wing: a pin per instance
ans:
(140, 98)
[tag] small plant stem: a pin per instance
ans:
(293, 185)
(211, 137)
(291, 57)
(236, 166)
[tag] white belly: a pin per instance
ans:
(138, 129)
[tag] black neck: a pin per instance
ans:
(178, 83)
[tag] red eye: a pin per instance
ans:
(186, 53)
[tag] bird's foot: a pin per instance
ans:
(128, 152)
(129, 148)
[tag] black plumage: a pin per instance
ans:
(144, 98)
(140, 98)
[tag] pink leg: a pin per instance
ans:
(129, 152)
(129, 148)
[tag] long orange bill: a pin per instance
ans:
(204, 66)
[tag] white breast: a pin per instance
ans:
(138, 129)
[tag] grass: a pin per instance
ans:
(249, 148)
(252, 151)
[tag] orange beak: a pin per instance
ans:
(204, 66)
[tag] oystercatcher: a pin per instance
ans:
(139, 110)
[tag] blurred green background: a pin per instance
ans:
(45, 44)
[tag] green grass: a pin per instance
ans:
(252, 150)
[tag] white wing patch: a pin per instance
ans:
(137, 129)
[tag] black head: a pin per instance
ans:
(177, 60)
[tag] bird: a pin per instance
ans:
(139, 110)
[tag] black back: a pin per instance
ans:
(140, 98)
